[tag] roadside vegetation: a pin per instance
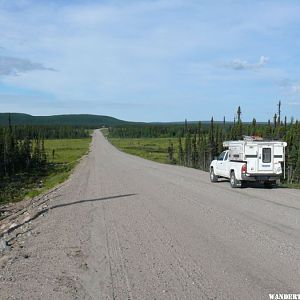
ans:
(36, 158)
(196, 145)
(67, 153)
(155, 149)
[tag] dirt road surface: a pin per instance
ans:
(127, 228)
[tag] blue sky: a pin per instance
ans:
(156, 60)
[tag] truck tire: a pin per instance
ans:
(233, 181)
(213, 176)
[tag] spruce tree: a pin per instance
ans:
(180, 152)
(275, 120)
(171, 152)
(187, 150)
(296, 175)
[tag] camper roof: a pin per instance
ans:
(253, 141)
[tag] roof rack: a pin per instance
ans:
(252, 138)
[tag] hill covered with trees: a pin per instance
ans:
(86, 120)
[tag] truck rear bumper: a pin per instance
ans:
(261, 177)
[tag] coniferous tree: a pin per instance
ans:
(212, 139)
(185, 126)
(285, 122)
(180, 152)
(171, 152)
(194, 151)
(275, 120)
(239, 112)
(296, 175)
(187, 150)
(279, 113)
(253, 127)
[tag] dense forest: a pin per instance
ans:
(22, 152)
(86, 120)
(198, 144)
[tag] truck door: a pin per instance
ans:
(265, 158)
(226, 171)
(220, 164)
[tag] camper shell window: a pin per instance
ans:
(266, 155)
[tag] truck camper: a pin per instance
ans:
(250, 159)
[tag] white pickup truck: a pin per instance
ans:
(249, 160)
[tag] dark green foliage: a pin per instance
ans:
(92, 121)
(149, 130)
(23, 158)
(171, 158)
(180, 153)
(296, 173)
(20, 155)
(188, 150)
(50, 132)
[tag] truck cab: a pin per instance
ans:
(221, 164)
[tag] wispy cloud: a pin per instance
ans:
(290, 86)
(14, 66)
(294, 103)
(239, 64)
(295, 88)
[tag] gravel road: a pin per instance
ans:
(126, 228)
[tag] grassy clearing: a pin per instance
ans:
(155, 149)
(61, 161)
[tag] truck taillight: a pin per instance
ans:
(244, 168)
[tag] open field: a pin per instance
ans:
(66, 155)
(67, 152)
(155, 149)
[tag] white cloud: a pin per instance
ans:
(295, 88)
(294, 103)
(239, 64)
(291, 87)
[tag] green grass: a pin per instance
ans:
(155, 149)
(105, 131)
(67, 153)
(291, 185)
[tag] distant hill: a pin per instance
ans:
(73, 120)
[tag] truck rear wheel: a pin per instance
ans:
(213, 176)
(233, 181)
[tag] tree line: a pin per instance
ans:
(49, 132)
(22, 148)
(20, 155)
